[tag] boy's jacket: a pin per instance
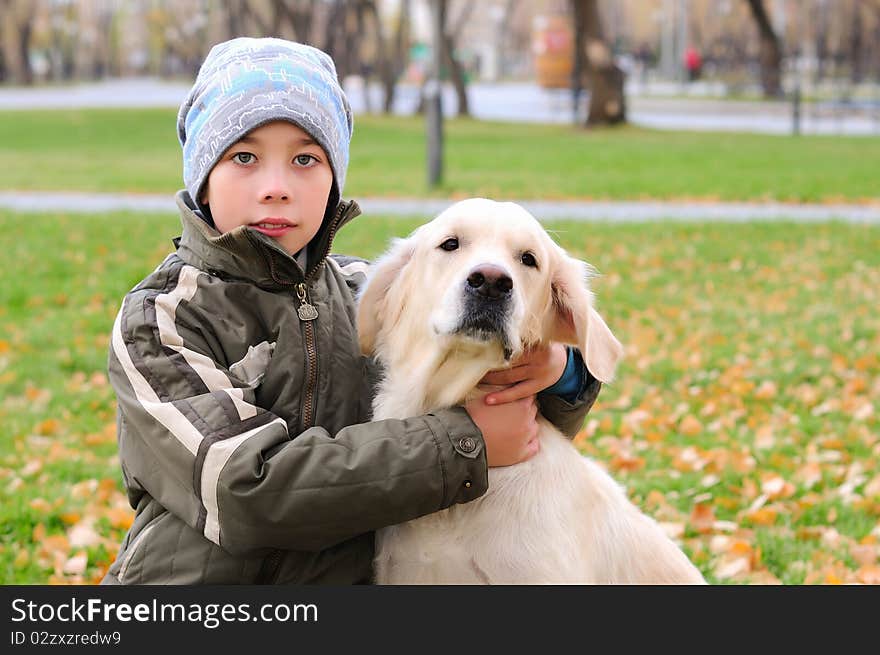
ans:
(244, 432)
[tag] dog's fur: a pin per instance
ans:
(556, 518)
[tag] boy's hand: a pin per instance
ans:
(510, 430)
(531, 372)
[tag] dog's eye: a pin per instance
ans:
(450, 244)
(528, 259)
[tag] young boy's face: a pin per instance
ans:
(276, 179)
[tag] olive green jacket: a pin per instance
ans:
(244, 420)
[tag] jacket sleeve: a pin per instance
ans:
(568, 412)
(192, 436)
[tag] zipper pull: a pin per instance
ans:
(306, 310)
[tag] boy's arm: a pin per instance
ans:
(567, 403)
(192, 437)
(565, 389)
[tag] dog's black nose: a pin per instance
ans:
(490, 281)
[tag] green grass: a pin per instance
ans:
(752, 351)
(137, 151)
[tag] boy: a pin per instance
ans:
(244, 404)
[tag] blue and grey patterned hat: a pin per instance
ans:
(245, 83)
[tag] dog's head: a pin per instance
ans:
(482, 272)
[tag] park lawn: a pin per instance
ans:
(136, 150)
(744, 416)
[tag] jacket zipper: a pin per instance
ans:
(306, 313)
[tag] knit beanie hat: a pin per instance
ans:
(245, 83)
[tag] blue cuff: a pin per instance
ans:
(570, 385)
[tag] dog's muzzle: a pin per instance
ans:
(488, 295)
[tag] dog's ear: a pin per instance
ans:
(574, 321)
(372, 306)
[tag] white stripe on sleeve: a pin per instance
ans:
(165, 413)
(214, 378)
(215, 459)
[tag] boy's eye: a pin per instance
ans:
(243, 157)
(305, 160)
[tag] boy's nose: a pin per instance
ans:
(274, 188)
(275, 194)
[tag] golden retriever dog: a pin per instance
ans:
(464, 294)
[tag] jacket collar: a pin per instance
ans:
(245, 253)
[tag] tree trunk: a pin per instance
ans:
(234, 18)
(457, 74)
(299, 16)
(607, 100)
(342, 40)
(366, 68)
(16, 23)
(395, 64)
(770, 53)
(456, 70)
(856, 72)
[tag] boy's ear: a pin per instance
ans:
(373, 311)
(574, 321)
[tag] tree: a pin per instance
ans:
(391, 58)
(451, 29)
(770, 53)
(456, 70)
(396, 63)
(16, 27)
(593, 56)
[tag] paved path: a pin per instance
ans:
(510, 101)
(620, 212)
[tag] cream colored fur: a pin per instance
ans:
(557, 518)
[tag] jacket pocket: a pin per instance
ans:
(135, 546)
(251, 368)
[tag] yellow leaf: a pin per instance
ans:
(832, 578)
(22, 559)
(84, 489)
(809, 474)
(40, 505)
(766, 390)
(120, 518)
(763, 577)
(872, 488)
(702, 517)
(77, 564)
(83, 535)
(624, 461)
(105, 487)
(33, 394)
(690, 425)
(868, 575)
(31, 467)
(864, 554)
(70, 517)
(4, 347)
(48, 427)
(762, 516)
(731, 568)
(774, 486)
(740, 547)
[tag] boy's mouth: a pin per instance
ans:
(273, 227)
